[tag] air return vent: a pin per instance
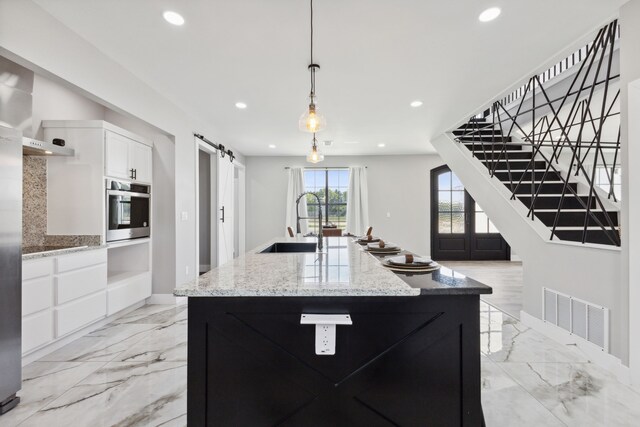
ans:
(578, 317)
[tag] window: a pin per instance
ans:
(483, 223)
(450, 204)
(323, 182)
(603, 180)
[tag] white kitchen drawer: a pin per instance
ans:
(79, 313)
(80, 260)
(37, 294)
(32, 269)
(37, 330)
(78, 283)
(129, 292)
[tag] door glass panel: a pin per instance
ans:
(444, 201)
(457, 201)
(444, 181)
(457, 222)
(455, 183)
(483, 223)
(444, 222)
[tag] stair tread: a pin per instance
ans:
(580, 227)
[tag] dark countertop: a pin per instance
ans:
(443, 281)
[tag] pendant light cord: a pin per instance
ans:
(313, 69)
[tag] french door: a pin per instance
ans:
(460, 229)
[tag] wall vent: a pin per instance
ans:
(581, 318)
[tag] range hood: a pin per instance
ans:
(33, 147)
(16, 102)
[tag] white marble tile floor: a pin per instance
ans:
(132, 372)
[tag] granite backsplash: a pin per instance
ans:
(34, 209)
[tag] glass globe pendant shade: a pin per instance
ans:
(311, 120)
(315, 156)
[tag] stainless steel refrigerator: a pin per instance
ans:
(10, 267)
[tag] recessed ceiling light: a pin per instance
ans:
(381, 145)
(272, 146)
(173, 17)
(415, 104)
(489, 14)
(241, 105)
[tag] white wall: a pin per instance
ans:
(33, 38)
(399, 185)
(53, 101)
(630, 155)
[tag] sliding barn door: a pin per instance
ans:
(225, 210)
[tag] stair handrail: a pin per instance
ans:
(543, 130)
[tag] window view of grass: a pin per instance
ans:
(331, 182)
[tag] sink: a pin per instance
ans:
(289, 247)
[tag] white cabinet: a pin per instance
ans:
(126, 158)
(37, 330)
(79, 313)
(76, 186)
(140, 156)
(61, 294)
(117, 156)
(127, 292)
(129, 276)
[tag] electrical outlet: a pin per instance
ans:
(325, 340)
(185, 216)
(186, 270)
(325, 330)
(388, 214)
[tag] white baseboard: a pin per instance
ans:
(166, 299)
(50, 348)
(594, 353)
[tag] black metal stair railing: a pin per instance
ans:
(543, 127)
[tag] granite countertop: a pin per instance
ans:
(342, 269)
(36, 252)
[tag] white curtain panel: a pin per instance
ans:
(294, 189)
(357, 201)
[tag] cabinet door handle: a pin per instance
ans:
(135, 174)
(222, 218)
(131, 176)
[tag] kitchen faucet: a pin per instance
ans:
(298, 217)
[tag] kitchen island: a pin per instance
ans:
(331, 339)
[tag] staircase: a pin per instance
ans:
(550, 197)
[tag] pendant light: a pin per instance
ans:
(311, 120)
(315, 156)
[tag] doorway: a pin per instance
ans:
(207, 204)
(460, 229)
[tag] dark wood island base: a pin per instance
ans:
(405, 361)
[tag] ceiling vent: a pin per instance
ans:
(328, 143)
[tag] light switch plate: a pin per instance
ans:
(185, 215)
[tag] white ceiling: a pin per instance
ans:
(376, 57)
